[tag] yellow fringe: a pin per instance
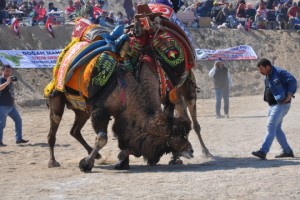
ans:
(49, 88)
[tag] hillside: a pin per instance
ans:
(281, 47)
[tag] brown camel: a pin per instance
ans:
(134, 117)
(186, 98)
(149, 50)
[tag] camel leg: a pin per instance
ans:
(190, 97)
(100, 120)
(181, 111)
(56, 106)
(81, 118)
(123, 163)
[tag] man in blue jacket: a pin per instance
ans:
(280, 87)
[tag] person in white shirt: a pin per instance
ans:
(222, 84)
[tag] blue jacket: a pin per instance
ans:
(281, 83)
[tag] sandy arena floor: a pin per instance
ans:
(233, 173)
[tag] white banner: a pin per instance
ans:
(29, 58)
(242, 52)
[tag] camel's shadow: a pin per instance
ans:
(41, 144)
(214, 164)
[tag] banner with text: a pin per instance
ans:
(242, 52)
(29, 58)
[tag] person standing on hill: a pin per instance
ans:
(7, 105)
(2, 11)
(129, 9)
(280, 87)
(222, 83)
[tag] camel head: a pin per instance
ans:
(178, 142)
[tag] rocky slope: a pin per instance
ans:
(281, 47)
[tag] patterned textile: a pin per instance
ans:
(170, 54)
(65, 64)
(77, 101)
(105, 66)
(134, 50)
(90, 78)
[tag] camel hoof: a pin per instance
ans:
(175, 162)
(85, 166)
(53, 163)
(208, 154)
(122, 165)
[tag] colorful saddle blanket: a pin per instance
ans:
(91, 77)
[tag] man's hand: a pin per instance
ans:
(288, 98)
(8, 81)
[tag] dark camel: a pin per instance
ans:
(136, 115)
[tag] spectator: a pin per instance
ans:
(203, 9)
(51, 7)
(25, 9)
(222, 83)
(261, 16)
(260, 2)
(231, 10)
(241, 15)
(190, 8)
(9, 6)
(70, 10)
(289, 3)
(77, 5)
(93, 2)
(222, 15)
(7, 105)
(100, 4)
(294, 23)
(111, 18)
(280, 87)
(120, 18)
(87, 10)
(281, 16)
(32, 4)
(215, 11)
(239, 2)
(292, 11)
(40, 16)
(270, 5)
(128, 6)
(230, 13)
(250, 12)
(15, 5)
(241, 11)
(2, 11)
(105, 20)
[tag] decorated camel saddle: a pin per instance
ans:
(87, 63)
(161, 41)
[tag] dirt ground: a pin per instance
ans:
(231, 174)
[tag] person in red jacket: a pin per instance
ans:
(292, 11)
(70, 10)
(41, 13)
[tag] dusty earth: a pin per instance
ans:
(231, 174)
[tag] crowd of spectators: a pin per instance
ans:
(36, 11)
(274, 14)
(270, 14)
